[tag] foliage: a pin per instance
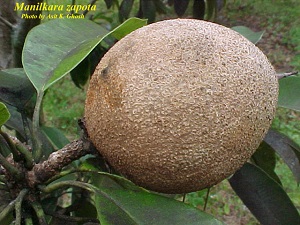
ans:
(83, 190)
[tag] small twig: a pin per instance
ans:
(26, 153)
(7, 23)
(18, 206)
(183, 197)
(206, 199)
(284, 75)
(91, 3)
(63, 184)
(73, 3)
(9, 208)
(39, 212)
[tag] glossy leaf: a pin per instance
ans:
(180, 6)
(16, 122)
(265, 198)
(85, 208)
(125, 9)
(53, 49)
(4, 114)
(265, 158)
(111, 181)
(198, 9)
(160, 6)
(22, 125)
(289, 93)
(55, 136)
(127, 27)
(136, 207)
(4, 150)
(252, 36)
(83, 71)
(148, 10)
(119, 201)
(285, 147)
(211, 8)
(15, 87)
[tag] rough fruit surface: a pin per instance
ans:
(179, 105)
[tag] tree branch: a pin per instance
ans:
(42, 172)
(6, 22)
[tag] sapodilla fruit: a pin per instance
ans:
(180, 105)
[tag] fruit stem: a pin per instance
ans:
(284, 75)
(42, 172)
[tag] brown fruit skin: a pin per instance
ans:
(179, 105)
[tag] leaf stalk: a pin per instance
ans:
(37, 144)
(11, 145)
(10, 168)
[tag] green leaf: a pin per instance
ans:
(137, 207)
(289, 93)
(127, 27)
(5, 151)
(4, 114)
(55, 136)
(82, 72)
(285, 147)
(15, 88)
(148, 10)
(17, 121)
(107, 180)
(161, 6)
(252, 36)
(125, 9)
(180, 7)
(263, 196)
(84, 208)
(211, 9)
(54, 48)
(265, 158)
(199, 9)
